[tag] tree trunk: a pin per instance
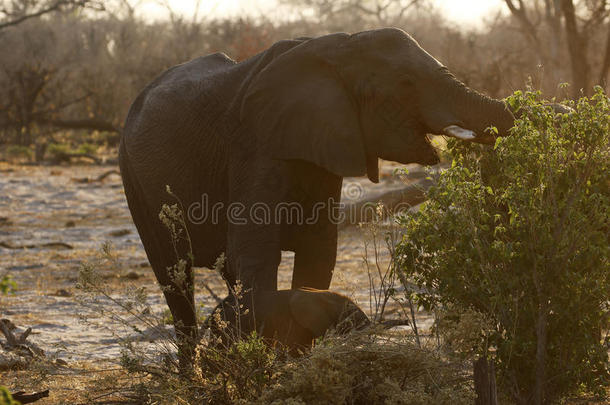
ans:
(485, 382)
(39, 150)
(577, 46)
(541, 341)
(603, 75)
(553, 19)
(529, 29)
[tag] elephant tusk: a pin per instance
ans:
(459, 132)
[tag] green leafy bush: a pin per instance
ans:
(19, 152)
(7, 285)
(59, 151)
(86, 148)
(520, 234)
(5, 397)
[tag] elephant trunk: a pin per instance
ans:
(475, 111)
(480, 112)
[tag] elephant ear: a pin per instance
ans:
(315, 310)
(299, 109)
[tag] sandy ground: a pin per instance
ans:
(48, 206)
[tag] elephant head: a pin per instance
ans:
(342, 101)
(294, 318)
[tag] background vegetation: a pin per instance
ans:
(510, 253)
(70, 68)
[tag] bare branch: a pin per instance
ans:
(529, 28)
(53, 6)
(598, 15)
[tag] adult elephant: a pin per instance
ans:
(278, 132)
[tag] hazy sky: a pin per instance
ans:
(468, 11)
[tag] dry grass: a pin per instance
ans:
(80, 383)
(371, 368)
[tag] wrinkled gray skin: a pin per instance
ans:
(283, 126)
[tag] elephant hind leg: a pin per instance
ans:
(161, 255)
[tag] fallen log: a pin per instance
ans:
(19, 343)
(99, 178)
(61, 245)
(391, 323)
(66, 156)
(24, 398)
(11, 339)
(102, 176)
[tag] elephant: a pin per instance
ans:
(292, 318)
(276, 131)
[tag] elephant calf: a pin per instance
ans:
(292, 318)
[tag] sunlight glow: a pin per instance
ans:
(471, 12)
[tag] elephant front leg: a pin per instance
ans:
(253, 256)
(314, 260)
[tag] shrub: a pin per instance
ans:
(58, 149)
(236, 373)
(369, 368)
(86, 148)
(62, 152)
(520, 234)
(19, 152)
(7, 285)
(5, 397)
(365, 367)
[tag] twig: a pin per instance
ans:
(212, 293)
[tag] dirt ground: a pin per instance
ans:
(55, 218)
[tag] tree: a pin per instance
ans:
(15, 12)
(576, 26)
(334, 14)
